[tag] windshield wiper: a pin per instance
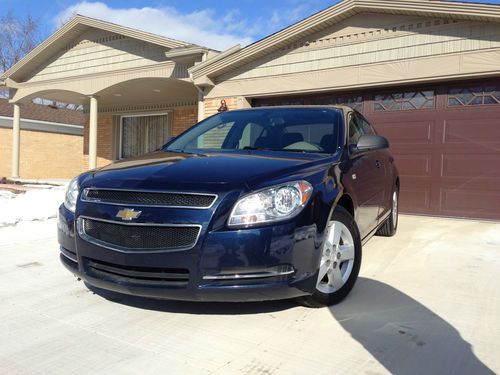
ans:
(299, 150)
(180, 151)
(250, 148)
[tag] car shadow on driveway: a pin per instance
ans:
(404, 335)
(198, 308)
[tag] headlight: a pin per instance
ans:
(71, 195)
(270, 205)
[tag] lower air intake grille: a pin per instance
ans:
(138, 237)
(138, 275)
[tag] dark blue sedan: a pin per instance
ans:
(247, 205)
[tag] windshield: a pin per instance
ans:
(315, 130)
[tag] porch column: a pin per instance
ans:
(201, 106)
(93, 133)
(16, 137)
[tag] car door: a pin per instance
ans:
(382, 163)
(367, 179)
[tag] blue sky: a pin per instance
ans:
(218, 24)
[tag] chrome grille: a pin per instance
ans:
(149, 198)
(137, 237)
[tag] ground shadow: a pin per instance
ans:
(198, 308)
(402, 334)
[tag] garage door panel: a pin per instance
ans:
(445, 139)
(414, 165)
(470, 165)
(475, 132)
(470, 203)
(414, 197)
(414, 132)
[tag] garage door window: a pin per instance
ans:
(404, 101)
(143, 134)
(355, 102)
(464, 97)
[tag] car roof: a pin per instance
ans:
(344, 108)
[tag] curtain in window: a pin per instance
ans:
(143, 134)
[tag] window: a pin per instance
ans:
(271, 129)
(355, 102)
(355, 129)
(404, 101)
(366, 127)
(458, 97)
(143, 134)
(214, 138)
(359, 126)
(251, 133)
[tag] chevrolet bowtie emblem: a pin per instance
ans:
(128, 214)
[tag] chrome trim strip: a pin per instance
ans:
(259, 275)
(84, 198)
(107, 245)
(66, 254)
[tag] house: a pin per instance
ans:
(51, 141)
(426, 73)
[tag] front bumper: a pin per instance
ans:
(272, 262)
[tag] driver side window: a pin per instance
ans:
(355, 129)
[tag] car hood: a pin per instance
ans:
(172, 170)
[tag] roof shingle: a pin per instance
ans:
(40, 112)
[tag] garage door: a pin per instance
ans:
(445, 139)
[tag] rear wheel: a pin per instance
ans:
(390, 226)
(340, 261)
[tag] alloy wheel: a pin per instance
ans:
(395, 209)
(337, 258)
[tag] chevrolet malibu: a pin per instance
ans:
(248, 205)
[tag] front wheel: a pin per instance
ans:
(340, 261)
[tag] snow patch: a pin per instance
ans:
(33, 205)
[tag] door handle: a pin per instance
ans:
(378, 164)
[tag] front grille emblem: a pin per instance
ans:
(128, 214)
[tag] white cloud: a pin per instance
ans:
(203, 27)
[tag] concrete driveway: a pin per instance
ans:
(427, 302)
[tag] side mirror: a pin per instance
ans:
(370, 143)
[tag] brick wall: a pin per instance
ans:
(50, 155)
(43, 155)
(184, 118)
(104, 141)
(108, 138)
(212, 105)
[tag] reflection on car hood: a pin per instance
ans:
(158, 169)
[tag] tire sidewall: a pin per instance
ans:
(343, 216)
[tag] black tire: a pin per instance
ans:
(390, 226)
(320, 299)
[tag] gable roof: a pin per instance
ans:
(237, 57)
(40, 112)
(74, 27)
